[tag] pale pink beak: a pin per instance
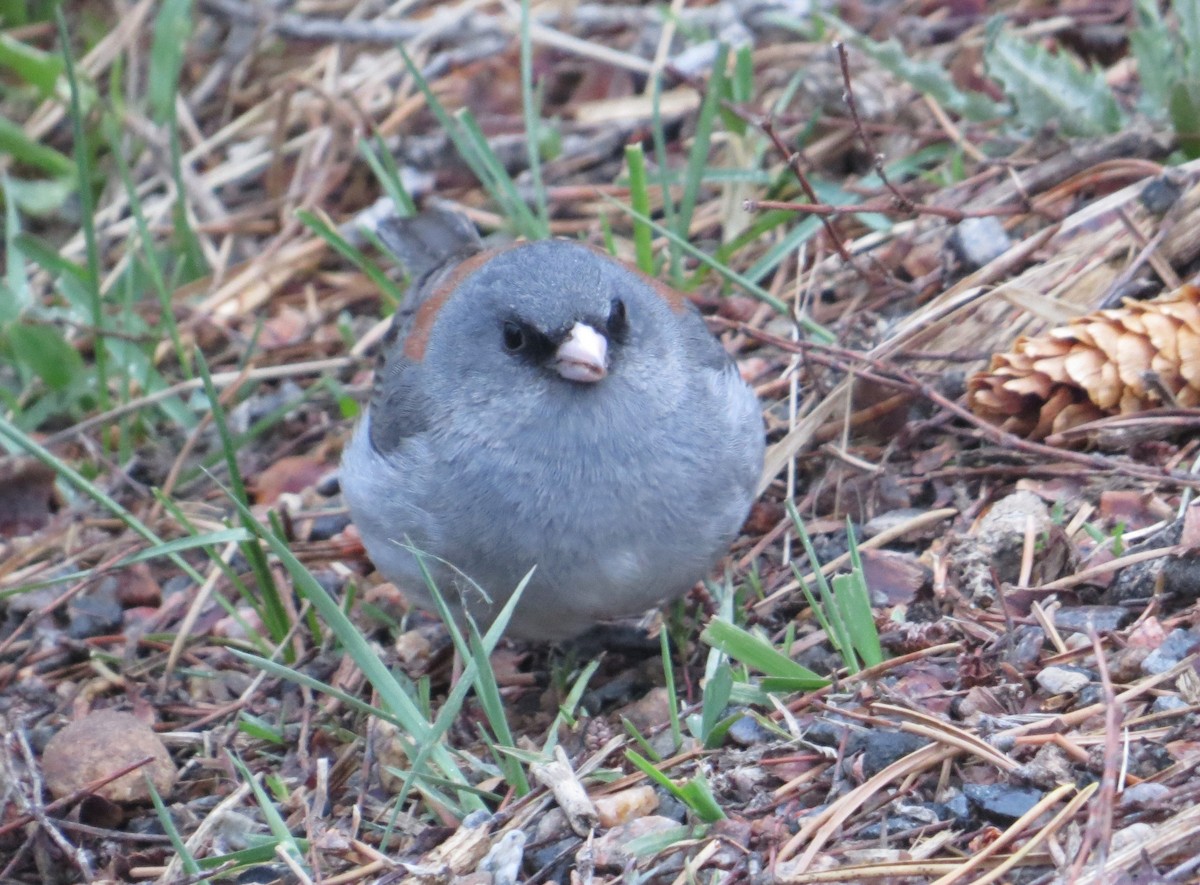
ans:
(583, 356)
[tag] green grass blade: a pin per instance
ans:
(383, 166)
(275, 822)
(531, 108)
(566, 710)
(669, 681)
(702, 143)
(487, 690)
(813, 562)
(274, 612)
(340, 245)
(661, 159)
(640, 740)
(756, 653)
(17, 295)
(855, 601)
(651, 771)
(402, 707)
(167, 548)
(504, 188)
(37, 68)
(695, 794)
(172, 28)
(714, 700)
(639, 198)
(77, 481)
(656, 843)
(87, 210)
(473, 147)
(186, 859)
(150, 257)
(699, 797)
(750, 287)
(14, 141)
(282, 671)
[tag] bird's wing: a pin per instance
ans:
(427, 246)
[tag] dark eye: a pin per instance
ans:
(514, 337)
(617, 320)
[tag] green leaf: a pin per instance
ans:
(259, 729)
(342, 246)
(270, 813)
(167, 548)
(24, 149)
(44, 352)
(1050, 88)
(262, 851)
(781, 685)
(531, 102)
(82, 171)
(664, 643)
(403, 710)
(472, 145)
(187, 861)
(739, 89)
(43, 196)
(40, 252)
(39, 69)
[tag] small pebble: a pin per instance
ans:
(1104, 618)
(102, 743)
(1001, 803)
(1145, 794)
(978, 241)
(1062, 680)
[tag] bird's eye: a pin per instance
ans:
(617, 320)
(514, 337)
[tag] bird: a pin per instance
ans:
(543, 410)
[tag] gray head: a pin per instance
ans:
(567, 316)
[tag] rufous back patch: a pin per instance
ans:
(673, 297)
(418, 335)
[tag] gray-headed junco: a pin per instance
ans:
(544, 405)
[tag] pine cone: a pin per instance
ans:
(1107, 363)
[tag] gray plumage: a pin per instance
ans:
(623, 492)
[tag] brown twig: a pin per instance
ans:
(903, 203)
(883, 207)
(792, 159)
